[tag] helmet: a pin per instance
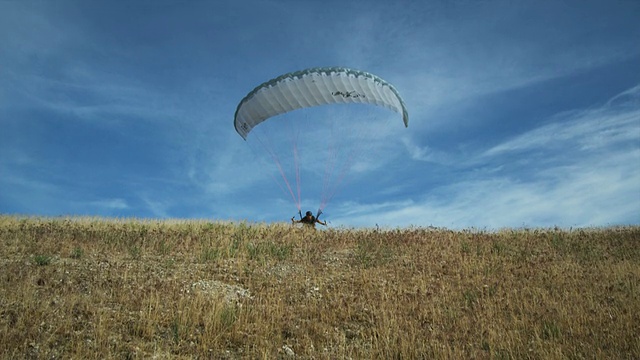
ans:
(309, 213)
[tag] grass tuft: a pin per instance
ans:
(42, 260)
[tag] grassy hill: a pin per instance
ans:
(128, 289)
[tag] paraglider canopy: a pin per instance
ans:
(314, 87)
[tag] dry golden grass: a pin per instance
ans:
(106, 288)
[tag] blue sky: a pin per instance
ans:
(522, 113)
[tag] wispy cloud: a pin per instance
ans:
(581, 170)
(109, 204)
(584, 130)
(428, 154)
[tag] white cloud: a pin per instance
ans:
(425, 153)
(576, 196)
(588, 174)
(592, 129)
(110, 204)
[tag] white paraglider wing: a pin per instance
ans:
(313, 87)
